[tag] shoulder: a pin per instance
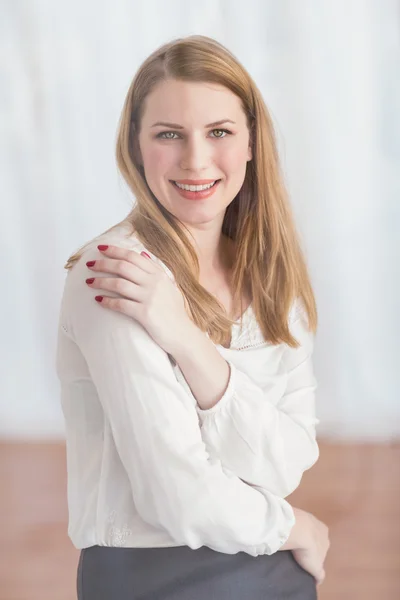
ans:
(77, 296)
(121, 235)
(78, 309)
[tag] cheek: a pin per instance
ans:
(157, 160)
(234, 160)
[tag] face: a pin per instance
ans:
(203, 139)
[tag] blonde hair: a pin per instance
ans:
(268, 259)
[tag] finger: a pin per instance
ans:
(121, 305)
(321, 578)
(122, 268)
(120, 286)
(130, 256)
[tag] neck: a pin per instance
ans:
(215, 257)
(213, 249)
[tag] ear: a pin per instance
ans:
(250, 149)
(249, 153)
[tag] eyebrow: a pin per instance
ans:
(177, 126)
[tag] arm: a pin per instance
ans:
(175, 485)
(266, 436)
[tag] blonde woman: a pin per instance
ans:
(184, 354)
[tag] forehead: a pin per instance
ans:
(191, 103)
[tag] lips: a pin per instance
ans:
(212, 181)
(194, 181)
(200, 195)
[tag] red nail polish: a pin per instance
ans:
(145, 254)
(90, 280)
(98, 298)
(90, 263)
(102, 247)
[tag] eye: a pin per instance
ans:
(168, 135)
(222, 131)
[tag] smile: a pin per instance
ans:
(195, 188)
(196, 192)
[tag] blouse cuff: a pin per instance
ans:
(226, 398)
(284, 535)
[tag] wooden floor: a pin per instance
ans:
(354, 489)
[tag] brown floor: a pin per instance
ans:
(355, 489)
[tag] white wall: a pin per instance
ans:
(329, 73)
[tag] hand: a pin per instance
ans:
(146, 294)
(312, 555)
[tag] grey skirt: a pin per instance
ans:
(180, 573)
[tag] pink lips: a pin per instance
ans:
(196, 181)
(201, 195)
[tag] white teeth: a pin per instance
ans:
(194, 188)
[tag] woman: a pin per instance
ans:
(185, 358)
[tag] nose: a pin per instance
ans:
(196, 154)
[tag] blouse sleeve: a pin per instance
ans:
(267, 442)
(175, 484)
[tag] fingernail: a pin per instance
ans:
(145, 254)
(102, 247)
(98, 298)
(90, 263)
(90, 280)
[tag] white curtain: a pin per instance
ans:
(329, 72)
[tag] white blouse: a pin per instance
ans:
(146, 466)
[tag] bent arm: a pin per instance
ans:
(266, 436)
(175, 484)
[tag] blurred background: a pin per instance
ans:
(329, 71)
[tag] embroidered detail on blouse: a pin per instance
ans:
(250, 334)
(118, 535)
(247, 335)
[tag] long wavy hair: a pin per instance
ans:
(268, 261)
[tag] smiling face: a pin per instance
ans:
(203, 138)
